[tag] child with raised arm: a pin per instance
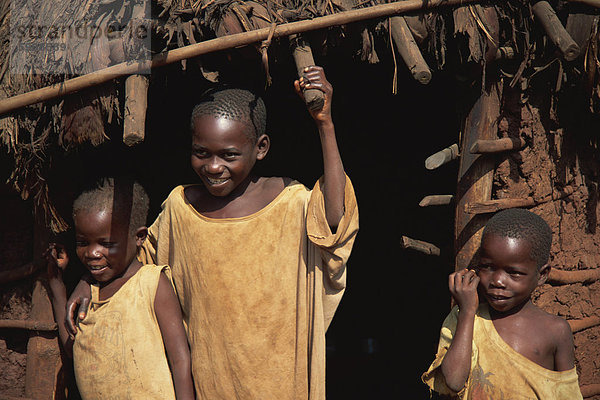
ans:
(134, 317)
(505, 347)
(259, 263)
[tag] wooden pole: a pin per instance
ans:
(497, 146)
(557, 33)
(590, 390)
(490, 206)
(583, 323)
(419, 245)
(303, 57)
(442, 157)
(136, 102)
(218, 44)
(578, 276)
(591, 3)
(28, 325)
(409, 51)
(475, 174)
(436, 200)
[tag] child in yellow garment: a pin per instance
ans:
(506, 347)
(259, 263)
(134, 316)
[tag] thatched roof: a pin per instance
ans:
(471, 37)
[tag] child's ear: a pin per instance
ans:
(263, 143)
(544, 271)
(140, 235)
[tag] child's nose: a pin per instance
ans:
(214, 166)
(92, 252)
(498, 278)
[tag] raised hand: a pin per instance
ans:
(56, 260)
(463, 287)
(314, 78)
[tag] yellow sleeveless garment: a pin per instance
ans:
(118, 352)
(497, 371)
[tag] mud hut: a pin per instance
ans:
(446, 112)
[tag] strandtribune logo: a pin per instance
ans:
(87, 37)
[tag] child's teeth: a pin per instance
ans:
(216, 181)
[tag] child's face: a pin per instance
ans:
(105, 247)
(222, 154)
(507, 273)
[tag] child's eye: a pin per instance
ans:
(230, 156)
(108, 245)
(80, 243)
(200, 153)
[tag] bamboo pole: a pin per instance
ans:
(583, 323)
(419, 245)
(557, 33)
(442, 157)
(578, 276)
(436, 200)
(409, 51)
(218, 44)
(497, 145)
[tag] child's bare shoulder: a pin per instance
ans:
(553, 327)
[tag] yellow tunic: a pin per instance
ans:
(119, 352)
(257, 292)
(497, 371)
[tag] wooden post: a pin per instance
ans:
(442, 157)
(408, 49)
(497, 145)
(475, 174)
(303, 57)
(136, 101)
(557, 33)
(43, 376)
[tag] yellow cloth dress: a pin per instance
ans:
(257, 292)
(118, 352)
(497, 371)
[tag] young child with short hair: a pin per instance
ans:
(135, 316)
(504, 347)
(259, 263)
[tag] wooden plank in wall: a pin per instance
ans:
(475, 174)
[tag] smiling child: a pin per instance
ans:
(134, 315)
(505, 347)
(259, 263)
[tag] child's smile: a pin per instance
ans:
(508, 275)
(223, 154)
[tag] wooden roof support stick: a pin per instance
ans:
(505, 53)
(578, 276)
(43, 373)
(557, 33)
(497, 146)
(419, 245)
(221, 43)
(136, 102)
(590, 390)
(583, 323)
(475, 174)
(408, 49)
(28, 325)
(490, 206)
(436, 200)
(303, 57)
(591, 3)
(442, 157)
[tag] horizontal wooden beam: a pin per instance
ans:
(218, 44)
(419, 245)
(591, 3)
(436, 200)
(583, 323)
(27, 324)
(442, 157)
(490, 206)
(497, 146)
(590, 390)
(578, 276)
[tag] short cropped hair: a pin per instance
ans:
(234, 104)
(522, 224)
(125, 198)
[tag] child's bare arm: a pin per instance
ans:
(564, 357)
(56, 262)
(170, 321)
(333, 170)
(457, 361)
